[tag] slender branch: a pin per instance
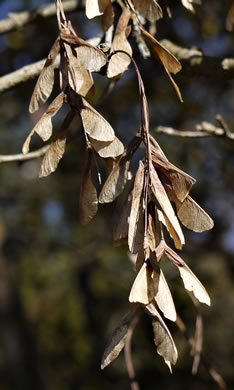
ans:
(23, 74)
(33, 70)
(205, 129)
(195, 63)
(213, 373)
(128, 354)
(22, 157)
(19, 19)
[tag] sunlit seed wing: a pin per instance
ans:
(162, 337)
(108, 149)
(145, 285)
(167, 209)
(94, 124)
(45, 82)
(193, 216)
(56, 149)
(164, 299)
(119, 62)
(191, 282)
(44, 126)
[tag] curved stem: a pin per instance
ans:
(128, 354)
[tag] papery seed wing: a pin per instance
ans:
(44, 126)
(121, 228)
(115, 182)
(88, 192)
(136, 207)
(164, 299)
(56, 149)
(167, 209)
(169, 62)
(193, 216)
(119, 62)
(180, 181)
(118, 339)
(150, 9)
(108, 149)
(45, 82)
(145, 285)
(191, 282)
(94, 124)
(162, 337)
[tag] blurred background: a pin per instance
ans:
(64, 287)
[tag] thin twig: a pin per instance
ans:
(22, 157)
(17, 20)
(128, 354)
(196, 63)
(204, 129)
(213, 373)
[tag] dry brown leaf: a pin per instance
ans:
(145, 285)
(115, 182)
(119, 62)
(150, 9)
(118, 339)
(167, 209)
(88, 192)
(191, 282)
(164, 299)
(193, 216)
(44, 126)
(45, 82)
(108, 149)
(94, 124)
(162, 337)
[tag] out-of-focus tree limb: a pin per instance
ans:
(195, 63)
(19, 19)
(22, 157)
(205, 129)
(22, 75)
(33, 70)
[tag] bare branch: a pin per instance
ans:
(22, 157)
(195, 63)
(128, 354)
(23, 74)
(205, 129)
(213, 373)
(20, 19)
